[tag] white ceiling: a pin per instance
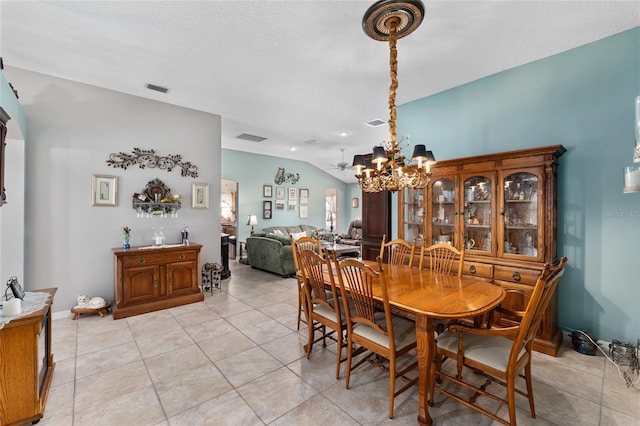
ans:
(296, 72)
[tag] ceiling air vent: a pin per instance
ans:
(375, 123)
(250, 138)
(157, 88)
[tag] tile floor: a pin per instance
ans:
(237, 359)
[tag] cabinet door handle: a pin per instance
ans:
(170, 280)
(472, 269)
(501, 212)
(141, 259)
(516, 276)
(182, 256)
(155, 281)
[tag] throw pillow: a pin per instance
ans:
(298, 235)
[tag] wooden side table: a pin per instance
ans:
(242, 247)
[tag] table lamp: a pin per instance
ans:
(253, 221)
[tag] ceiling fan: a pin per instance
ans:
(341, 165)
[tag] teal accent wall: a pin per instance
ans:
(584, 100)
(10, 104)
(251, 171)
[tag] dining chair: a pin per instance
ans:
(442, 258)
(500, 354)
(323, 308)
(303, 243)
(381, 333)
(398, 251)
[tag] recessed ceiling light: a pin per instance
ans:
(293, 148)
(375, 123)
(344, 133)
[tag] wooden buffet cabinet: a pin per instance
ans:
(150, 279)
(26, 365)
(502, 209)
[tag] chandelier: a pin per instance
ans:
(388, 169)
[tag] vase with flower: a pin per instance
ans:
(126, 237)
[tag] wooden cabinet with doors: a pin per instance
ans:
(150, 279)
(26, 363)
(376, 222)
(502, 209)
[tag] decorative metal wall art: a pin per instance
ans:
(282, 177)
(148, 158)
(156, 200)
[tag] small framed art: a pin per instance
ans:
(199, 195)
(266, 209)
(267, 191)
(104, 191)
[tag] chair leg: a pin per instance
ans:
(339, 351)
(436, 365)
(349, 357)
(527, 372)
(392, 385)
(511, 398)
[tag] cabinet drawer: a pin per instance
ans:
(158, 258)
(518, 275)
(477, 269)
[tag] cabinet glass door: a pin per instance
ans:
(414, 209)
(443, 208)
(521, 228)
(477, 214)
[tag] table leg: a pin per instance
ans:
(424, 338)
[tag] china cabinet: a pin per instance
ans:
(502, 210)
(149, 279)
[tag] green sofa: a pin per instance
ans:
(269, 249)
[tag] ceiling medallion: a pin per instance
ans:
(386, 169)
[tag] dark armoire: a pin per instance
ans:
(376, 222)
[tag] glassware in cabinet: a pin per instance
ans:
(443, 211)
(413, 215)
(478, 213)
(520, 223)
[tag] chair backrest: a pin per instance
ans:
(398, 251)
(538, 302)
(442, 258)
(314, 266)
(355, 230)
(301, 244)
(356, 281)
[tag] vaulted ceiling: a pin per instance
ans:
(302, 74)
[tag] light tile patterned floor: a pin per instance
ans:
(237, 359)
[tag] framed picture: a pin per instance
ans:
(280, 193)
(304, 197)
(292, 205)
(293, 194)
(266, 209)
(199, 195)
(266, 191)
(104, 191)
(355, 202)
(279, 204)
(304, 211)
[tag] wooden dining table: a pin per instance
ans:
(425, 295)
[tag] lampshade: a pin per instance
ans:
(252, 220)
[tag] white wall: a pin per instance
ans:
(72, 129)
(12, 214)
